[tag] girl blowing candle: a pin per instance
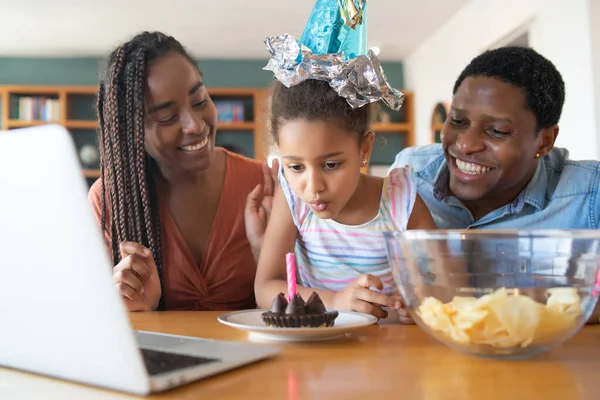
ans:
(333, 214)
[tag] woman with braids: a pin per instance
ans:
(183, 219)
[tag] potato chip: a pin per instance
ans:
(564, 300)
(503, 318)
(553, 322)
(436, 315)
(519, 315)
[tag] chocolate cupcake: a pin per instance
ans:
(298, 314)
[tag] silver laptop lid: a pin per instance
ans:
(59, 312)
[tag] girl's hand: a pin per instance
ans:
(359, 297)
(400, 308)
(136, 277)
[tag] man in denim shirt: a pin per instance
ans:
(562, 194)
(497, 167)
(498, 141)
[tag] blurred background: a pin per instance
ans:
(50, 55)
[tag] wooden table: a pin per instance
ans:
(381, 362)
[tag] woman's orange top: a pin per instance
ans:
(225, 279)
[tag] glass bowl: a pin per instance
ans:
(502, 294)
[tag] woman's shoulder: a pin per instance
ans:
(245, 173)
(95, 192)
(243, 162)
(95, 199)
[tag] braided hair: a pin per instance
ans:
(127, 172)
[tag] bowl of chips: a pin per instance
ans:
(501, 294)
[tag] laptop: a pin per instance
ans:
(60, 313)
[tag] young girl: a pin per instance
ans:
(332, 214)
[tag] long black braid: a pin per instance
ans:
(127, 172)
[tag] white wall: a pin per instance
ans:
(595, 29)
(558, 29)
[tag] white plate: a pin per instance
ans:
(251, 322)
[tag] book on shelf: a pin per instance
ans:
(230, 111)
(34, 108)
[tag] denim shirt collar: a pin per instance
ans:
(533, 194)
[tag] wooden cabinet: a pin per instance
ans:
(241, 126)
(242, 120)
(69, 106)
(394, 130)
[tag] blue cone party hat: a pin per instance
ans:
(337, 28)
(333, 48)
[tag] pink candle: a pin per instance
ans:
(290, 263)
(596, 287)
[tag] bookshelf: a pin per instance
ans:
(69, 106)
(394, 130)
(244, 130)
(74, 108)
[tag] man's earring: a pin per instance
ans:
(364, 162)
(537, 155)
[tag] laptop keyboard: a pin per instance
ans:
(159, 362)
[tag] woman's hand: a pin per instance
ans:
(258, 207)
(136, 277)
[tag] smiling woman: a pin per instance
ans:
(182, 218)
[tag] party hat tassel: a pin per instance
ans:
(354, 44)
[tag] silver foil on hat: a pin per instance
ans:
(359, 80)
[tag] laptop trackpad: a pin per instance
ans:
(160, 362)
(166, 353)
